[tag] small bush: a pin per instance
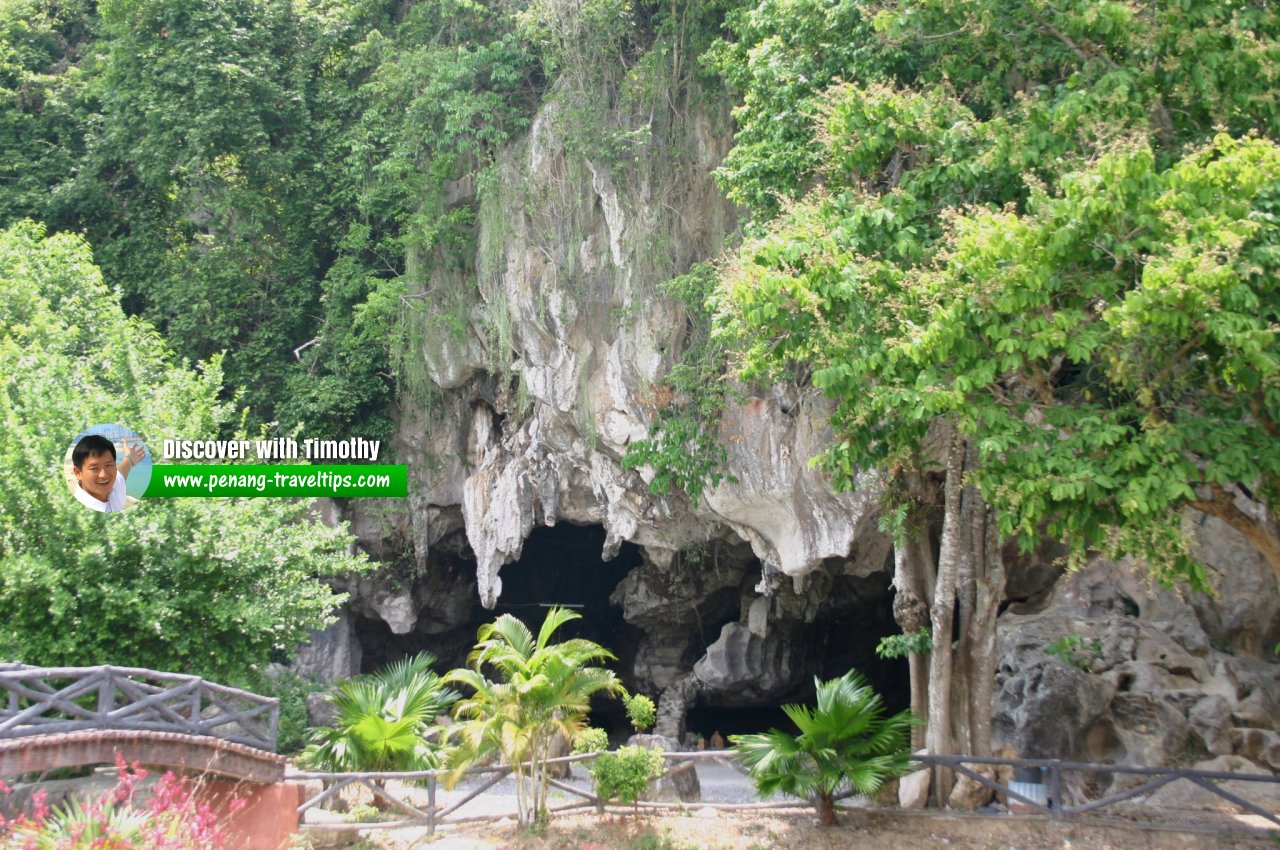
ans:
(1076, 651)
(626, 774)
(641, 712)
(590, 740)
(900, 646)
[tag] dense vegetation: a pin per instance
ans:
(1029, 250)
(291, 183)
(206, 586)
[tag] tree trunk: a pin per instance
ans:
(826, 806)
(1260, 532)
(939, 737)
(912, 560)
(982, 634)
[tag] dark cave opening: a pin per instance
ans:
(558, 565)
(847, 637)
(856, 613)
(561, 565)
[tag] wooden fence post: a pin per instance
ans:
(431, 805)
(1055, 789)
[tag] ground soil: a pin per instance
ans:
(798, 830)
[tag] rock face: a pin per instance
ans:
(547, 373)
(550, 365)
(1114, 669)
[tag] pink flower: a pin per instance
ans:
(41, 810)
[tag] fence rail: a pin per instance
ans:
(53, 700)
(432, 814)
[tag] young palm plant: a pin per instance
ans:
(846, 742)
(385, 721)
(525, 692)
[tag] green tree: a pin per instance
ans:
(385, 721)
(539, 690)
(988, 269)
(845, 743)
(205, 586)
(45, 103)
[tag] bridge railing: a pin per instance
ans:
(52, 700)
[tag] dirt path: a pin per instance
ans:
(797, 830)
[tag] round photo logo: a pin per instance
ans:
(107, 468)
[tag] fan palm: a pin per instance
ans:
(385, 720)
(845, 742)
(539, 690)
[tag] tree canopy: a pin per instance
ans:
(1051, 227)
(208, 586)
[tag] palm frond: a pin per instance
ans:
(843, 741)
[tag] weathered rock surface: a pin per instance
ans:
(1114, 669)
(1184, 795)
(553, 368)
(331, 654)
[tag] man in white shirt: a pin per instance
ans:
(99, 480)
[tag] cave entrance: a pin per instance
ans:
(854, 615)
(561, 566)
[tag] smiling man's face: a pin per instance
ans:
(97, 475)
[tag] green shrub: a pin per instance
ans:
(625, 775)
(590, 740)
(845, 742)
(900, 646)
(641, 712)
(1076, 651)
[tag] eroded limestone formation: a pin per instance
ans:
(554, 369)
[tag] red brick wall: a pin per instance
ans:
(268, 819)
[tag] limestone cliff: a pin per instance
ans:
(550, 370)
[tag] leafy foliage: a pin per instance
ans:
(1075, 650)
(845, 741)
(590, 740)
(263, 178)
(625, 775)
(540, 690)
(385, 720)
(640, 711)
(900, 646)
(1031, 230)
(683, 446)
(203, 586)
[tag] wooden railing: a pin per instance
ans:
(432, 813)
(53, 700)
(1057, 804)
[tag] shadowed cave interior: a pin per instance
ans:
(561, 565)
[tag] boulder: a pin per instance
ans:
(1260, 745)
(1045, 708)
(970, 794)
(1244, 613)
(913, 789)
(331, 654)
(320, 712)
